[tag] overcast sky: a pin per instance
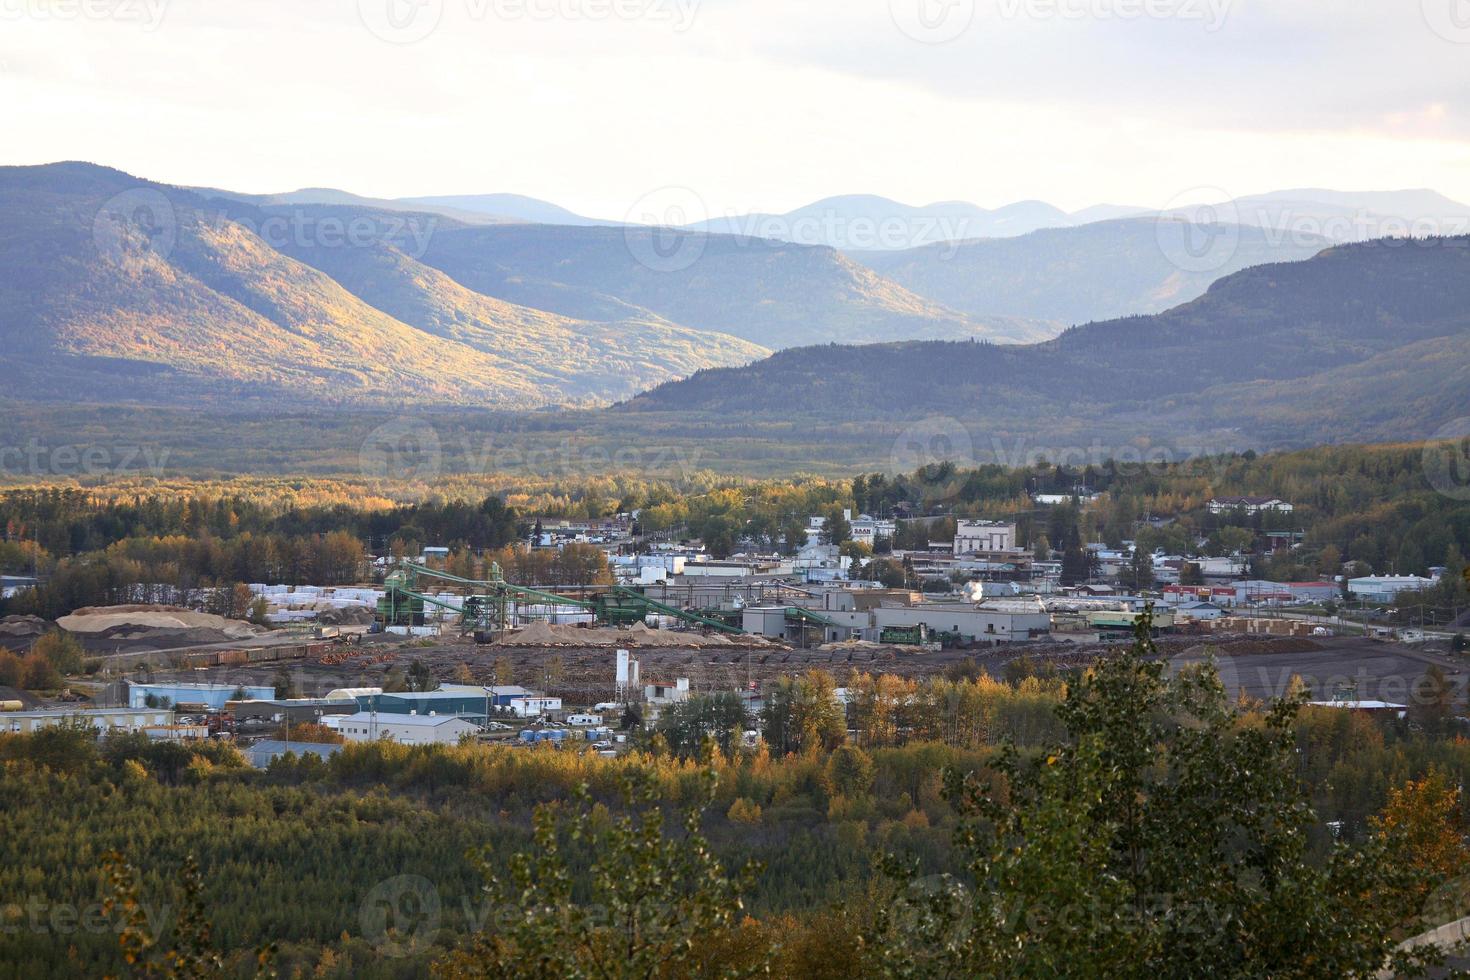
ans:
(750, 104)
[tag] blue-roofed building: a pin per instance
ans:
(213, 696)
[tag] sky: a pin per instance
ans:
(748, 105)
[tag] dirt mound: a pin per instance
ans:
(345, 616)
(98, 619)
(852, 645)
(23, 627)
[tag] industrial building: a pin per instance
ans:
(294, 710)
(104, 720)
(1385, 588)
(850, 615)
(463, 700)
(211, 696)
(369, 726)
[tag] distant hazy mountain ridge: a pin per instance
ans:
(1280, 348)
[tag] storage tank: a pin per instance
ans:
(12, 706)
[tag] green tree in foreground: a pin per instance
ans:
(1166, 836)
(646, 906)
(190, 952)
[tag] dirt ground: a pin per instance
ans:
(1262, 666)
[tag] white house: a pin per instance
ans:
(367, 726)
(977, 536)
(532, 706)
(1251, 505)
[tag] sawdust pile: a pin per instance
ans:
(98, 619)
(853, 645)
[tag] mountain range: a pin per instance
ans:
(872, 223)
(1365, 341)
(869, 223)
(124, 290)
(117, 289)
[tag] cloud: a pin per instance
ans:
(752, 104)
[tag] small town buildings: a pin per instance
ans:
(370, 726)
(1081, 495)
(867, 530)
(979, 537)
(1250, 505)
